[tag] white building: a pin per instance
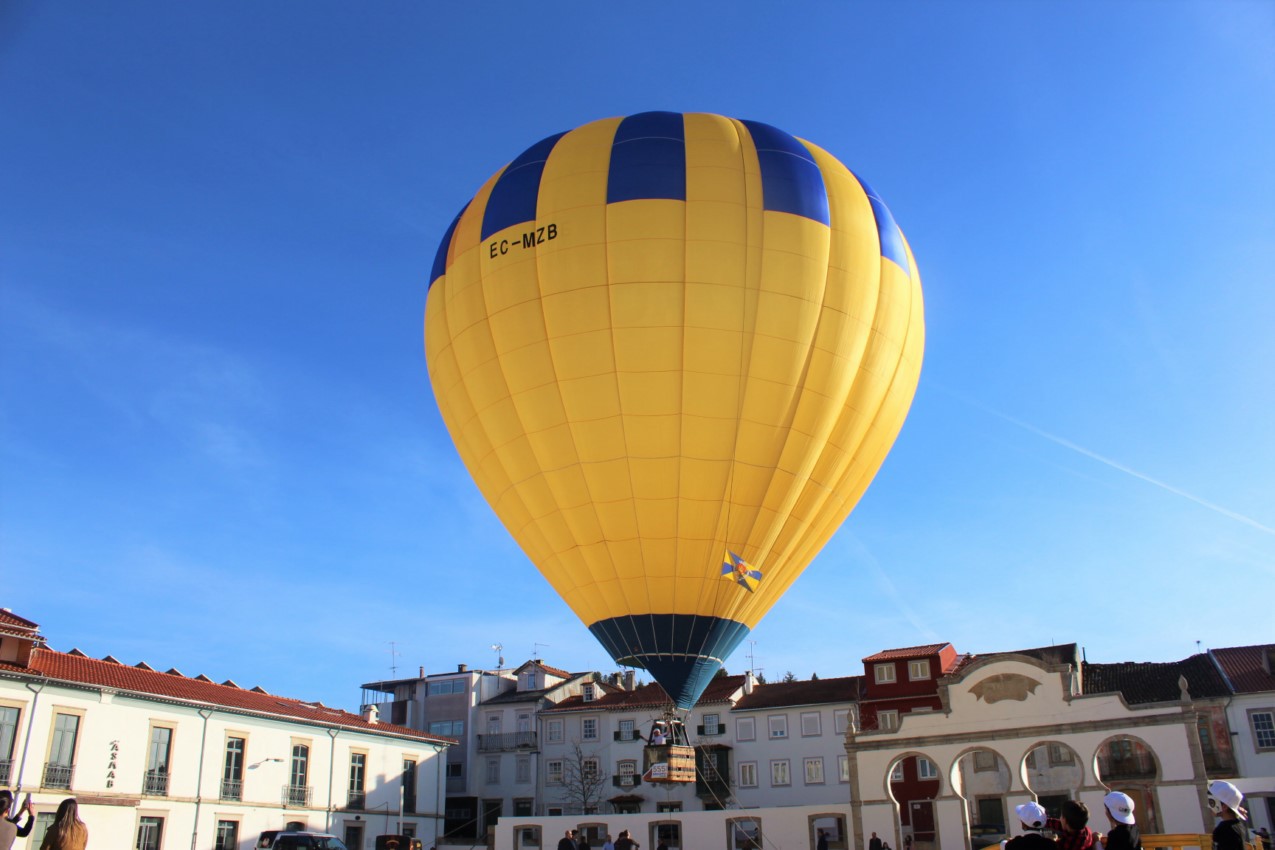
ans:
(1250, 673)
(160, 760)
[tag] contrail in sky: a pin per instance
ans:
(1122, 468)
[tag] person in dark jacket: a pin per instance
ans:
(1225, 800)
(1033, 818)
(9, 828)
(1123, 834)
(567, 841)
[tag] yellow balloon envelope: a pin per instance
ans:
(672, 350)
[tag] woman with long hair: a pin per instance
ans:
(68, 832)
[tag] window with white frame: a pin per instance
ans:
(748, 774)
(589, 728)
(626, 730)
(588, 692)
(746, 729)
(888, 720)
(589, 767)
(814, 770)
(778, 725)
(919, 669)
(896, 775)
(712, 724)
(493, 769)
(553, 771)
(626, 767)
(1262, 721)
(811, 725)
(883, 674)
(553, 731)
(843, 768)
(841, 720)
(925, 768)
(779, 773)
(522, 770)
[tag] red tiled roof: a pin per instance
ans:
(8, 618)
(650, 696)
(562, 674)
(1243, 666)
(1142, 682)
(907, 652)
(81, 670)
(780, 694)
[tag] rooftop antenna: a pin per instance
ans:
(1197, 647)
(393, 658)
(535, 652)
(752, 661)
(500, 659)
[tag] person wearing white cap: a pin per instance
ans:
(1224, 801)
(1033, 818)
(1124, 833)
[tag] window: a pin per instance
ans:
(779, 774)
(985, 760)
(455, 770)
(493, 770)
(43, 820)
(298, 790)
(712, 725)
(156, 779)
(843, 768)
(150, 831)
(1060, 754)
(778, 726)
(888, 720)
(553, 771)
(896, 775)
(746, 729)
(8, 733)
(227, 835)
(626, 767)
(918, 670)
(626, 732)
(232, 770)
(673, 806)
(811, 725)
(814, 771)
(841, 720)
(589, 768)
(589, 728)
(883, 673)
(448, 728)
(527, 681)
(1263, 723)
(447, 686)
(66, 730)
(588, 692)
(409, 786)
(748, 774)
(358, 772)
(553, 731)
(522, 770)
(925, 769)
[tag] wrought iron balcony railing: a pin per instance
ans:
(6, 767)
(58, 775)
(155, 783)
(358, 800)
(232, 789)
(506, 741)
(296, 795)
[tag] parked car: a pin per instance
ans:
(986, 835)
(274, 840)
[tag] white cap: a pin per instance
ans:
(1226, 794)
(1119, 806)
(1031, 814)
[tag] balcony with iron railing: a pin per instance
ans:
(296, 795)
(501, 742)
(358, 800)
(58, 775)
(232, 789)
(155, 783)
(1136, 766)
(6, 767)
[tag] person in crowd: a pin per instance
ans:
(1033, 819)
(9, 828)
(67, 832)
(1073, 828)
(1225, 802)
(874, 843)
(608, 844)
(821, 843)
(582, 840)
(1266, 838)
(658, 736)
(567, 841)
(626, 842)
(1123, 834)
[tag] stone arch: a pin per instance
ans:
(913, 781)
(983, 779)
(1053, 771)
(834, 826)
(1125, 762)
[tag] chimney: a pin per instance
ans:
(628, 680)
(422, 673)
(749, 682)
(371, 713)
(462, 668)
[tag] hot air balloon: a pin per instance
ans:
(672, 350)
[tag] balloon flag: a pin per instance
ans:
(661, 338)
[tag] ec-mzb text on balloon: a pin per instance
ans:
(530, 239)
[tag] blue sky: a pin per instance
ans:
(219, 449)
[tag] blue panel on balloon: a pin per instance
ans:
(887, 230)
(790, 178)
(513, 198)
(440, 259)
(682, 651)
(648, 158)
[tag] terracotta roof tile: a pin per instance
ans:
(907, 652)
(66, 667)
(1145, 682)
(8, 618)
(1246, 667)
(780, 694)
